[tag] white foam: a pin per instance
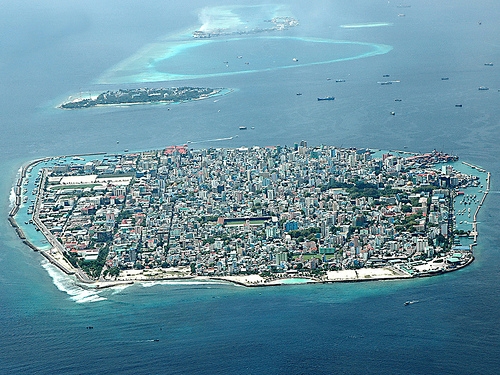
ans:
(12, 198)
(69, 285)
(119, 288)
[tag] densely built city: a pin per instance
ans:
(253, 215)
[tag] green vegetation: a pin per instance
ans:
(93, 268)
(363, 189)
(408, 223)
(424, 189)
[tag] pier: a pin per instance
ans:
(474, 232)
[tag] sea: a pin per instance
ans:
(51, 50)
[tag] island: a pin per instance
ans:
(143, 96)
(255, 216)
(276, 24)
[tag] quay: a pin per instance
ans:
(474, 231)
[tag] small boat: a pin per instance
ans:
(393, 113)
(397, 100)
(243, 128)
(444, 79)
(299, 93)
(488, 64)
(458, 105)
(340, 80)
(295, 59)
(483, 88)
(327, 98)
(410, 302)
(386, 75)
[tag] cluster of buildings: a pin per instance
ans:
(259, 210)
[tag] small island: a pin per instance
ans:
(276, 24)
(255, 216)
(143, 96)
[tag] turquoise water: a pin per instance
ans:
(294, 281)
(52, 50)
(228, 56)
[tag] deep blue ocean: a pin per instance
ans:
(53, 49)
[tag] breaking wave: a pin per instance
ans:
(69, 286)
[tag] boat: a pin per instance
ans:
(458, 105)
(327, 98)
(340, 80)
(386, 75)
(243, 128)
(397, 100)
(393, 113)
(488, 64)
(410, 302)
(299, 93)
(385, 83)
(483, 88)
(444, 79)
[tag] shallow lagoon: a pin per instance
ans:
(193, 59)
